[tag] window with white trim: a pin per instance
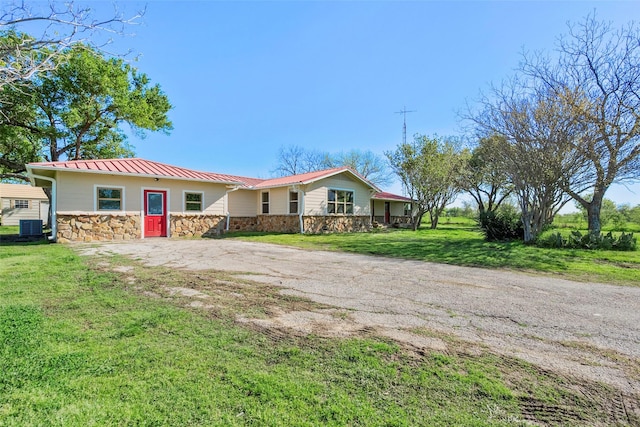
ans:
(109, 199)
(265, 202)
(407, 209)
(293, 202)
(193, 202)
(340, 202)
(21, 204)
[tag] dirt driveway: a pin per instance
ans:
(587, 330)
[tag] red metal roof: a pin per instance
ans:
(138, 167)
(135, 166)
(302, 178)
(390, 196)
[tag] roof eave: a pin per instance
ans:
(318, 178)
(99, 172)
(390, 199)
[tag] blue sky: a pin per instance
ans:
(246, 78)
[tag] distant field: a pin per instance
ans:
(457, 241)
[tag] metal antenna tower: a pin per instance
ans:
(404, 112)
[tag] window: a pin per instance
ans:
(155, 203)
(265, 202)
(21, 204)
(109, 199)
(293, 202)
(407, 209)
(193, 202)
(340, 202)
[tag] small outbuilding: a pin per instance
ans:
(20, 201)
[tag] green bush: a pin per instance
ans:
(577, 240)
(501, 226)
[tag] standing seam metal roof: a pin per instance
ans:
(137, 166)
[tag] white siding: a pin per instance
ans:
(12, 216)
(279, 201)
(378, 207)
(315, 200)
(397, 208)
(76, 192)
(243, 203)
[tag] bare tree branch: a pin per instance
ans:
(600, 66)
(34, 35)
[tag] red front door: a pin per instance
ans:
(387, 212)
(155, 213)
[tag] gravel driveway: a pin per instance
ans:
(588, 330)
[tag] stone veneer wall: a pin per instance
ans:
(278, 223)
(243, 223)
(393, 219)
(336, 224)
(291, 224)
(400, 220)
(91, 227)
(186, 225)
(98, 227)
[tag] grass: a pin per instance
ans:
(81, 344)
(458, 242)
(9, 229)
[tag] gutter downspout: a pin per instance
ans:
(226, 198)
(54, 205)
(301, 192)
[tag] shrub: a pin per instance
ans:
(500, 226)
(577, 240)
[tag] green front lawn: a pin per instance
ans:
(458, 242)
(9, 229)
(82, 345)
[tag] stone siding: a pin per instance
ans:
(400, 220)
(278, 223)
(185, 225)
(291, 224)
(92, 227)
(243, 223)
(393, 220)
(336, 224)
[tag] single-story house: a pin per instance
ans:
(122, 199)
(21, 201)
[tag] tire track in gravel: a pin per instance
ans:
(567, 327)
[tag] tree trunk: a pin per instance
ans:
(434, 221)
(593, 213)
(526, 225)
(417, 220)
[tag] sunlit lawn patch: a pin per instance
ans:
(462, 244)
(81, 346)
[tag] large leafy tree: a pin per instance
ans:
(533, 131)
(430, 170)
(76, 111)
(484, 178)
(600, 66)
